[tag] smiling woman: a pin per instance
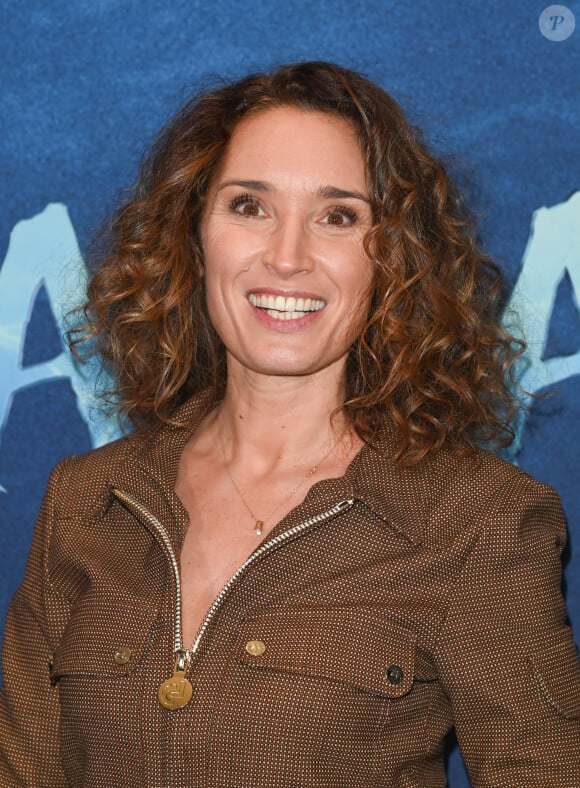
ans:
(302, 568)
(440, 377)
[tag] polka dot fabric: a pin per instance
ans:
(340, 656)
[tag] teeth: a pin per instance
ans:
(285, 315)
(281, 308)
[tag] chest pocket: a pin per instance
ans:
(354, 646)
(103, 639)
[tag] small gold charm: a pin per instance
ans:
(176, 691)
(258, 527)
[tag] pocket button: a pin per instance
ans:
(122, 655)
(394, 674)
(255, 647)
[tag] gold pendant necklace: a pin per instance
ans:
(259, 523)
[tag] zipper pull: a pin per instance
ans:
(178, 690)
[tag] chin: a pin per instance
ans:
(289, 366)
(283, 369)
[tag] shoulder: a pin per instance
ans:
(81, 482)
(480, 478)
(109, 456)
(448, 494)
(502, 504)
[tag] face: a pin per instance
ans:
(288, 282)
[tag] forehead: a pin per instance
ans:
(288, 139)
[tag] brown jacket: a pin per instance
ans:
(386, 608)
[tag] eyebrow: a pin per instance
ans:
(255, 186)
(334, 193)
(327, 192)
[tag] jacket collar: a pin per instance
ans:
(150, 473)
(399, 496)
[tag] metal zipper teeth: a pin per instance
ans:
(275, 541)
(145, 516)
(151, 522)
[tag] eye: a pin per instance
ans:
(246, 205)
(340, 216)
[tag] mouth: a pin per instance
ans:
(285, 307)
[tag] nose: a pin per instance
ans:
(288, 249)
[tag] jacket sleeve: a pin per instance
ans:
(506, 657)
(29, 707)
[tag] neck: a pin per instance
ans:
(265, 421)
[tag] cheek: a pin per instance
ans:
(359, 291)
(360, 314)
(219, 305)
(223, 239)
(219, 264)
(361, 283)
(214, 295)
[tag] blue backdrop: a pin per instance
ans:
(85, 85)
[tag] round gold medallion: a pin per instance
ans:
(175, 692)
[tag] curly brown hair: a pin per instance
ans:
(432, 360)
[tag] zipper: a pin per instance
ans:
(160, 533)
(182, 655)
(342, 506)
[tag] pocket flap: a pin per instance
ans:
(359, 647)
(557, 670)
(103, 639)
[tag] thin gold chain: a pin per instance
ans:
(259, 523)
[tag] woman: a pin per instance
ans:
(299, 570)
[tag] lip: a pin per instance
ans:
(285, 326)
(285, 292)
